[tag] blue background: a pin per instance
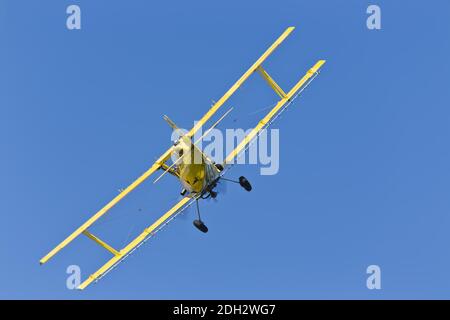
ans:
(364, 172)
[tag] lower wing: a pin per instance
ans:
(136, 242)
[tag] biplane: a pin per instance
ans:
(198, 174)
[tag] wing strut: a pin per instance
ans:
(134, 243)
(281, 103)
(106, 208)
(159, 163)
(119, 255)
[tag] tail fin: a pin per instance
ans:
(170, 122)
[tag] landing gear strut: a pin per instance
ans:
(243, 182)
(199, 223)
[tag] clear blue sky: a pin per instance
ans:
(364, 173)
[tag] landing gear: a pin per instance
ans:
(200, 226)
(198, 223)
(245, 184)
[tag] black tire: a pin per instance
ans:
(245, 184)
(200, 226)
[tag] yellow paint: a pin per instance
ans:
(101, 242)
(191, 166)
(136, 241)
(106, 208)
(241, 80)
(192, 173)
(271, 82)
(252, 134)
(187, 140)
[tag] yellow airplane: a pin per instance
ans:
(197, 173)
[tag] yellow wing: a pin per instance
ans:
(285, 99)
(121, 254)
(106, 208)
(160, 163)
(241, 80)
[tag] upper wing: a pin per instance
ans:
(241, 80)
(160, 162)
(285, 99)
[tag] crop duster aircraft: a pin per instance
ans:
(197, 173)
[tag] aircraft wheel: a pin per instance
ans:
(200, 226)
(245, 183)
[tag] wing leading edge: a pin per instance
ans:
(285, 99)
(136, 242)
(119, 255)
